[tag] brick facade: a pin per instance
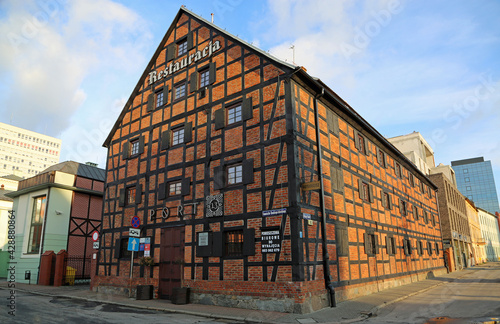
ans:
(254, 123)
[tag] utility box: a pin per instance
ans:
(61, 260)
(47, 263)
(144, 292)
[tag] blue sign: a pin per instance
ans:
(133, 244)
(274, 212)
(136, 222)
(306, 216)
(141, 247)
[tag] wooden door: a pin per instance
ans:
(171, 252)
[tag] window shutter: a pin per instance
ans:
(389, 200)
(384, 198)
(193, 82)
(332, 121)
(356, 140)
(117, 248)
(217, 244)
(165, 140)
(151, 98)
(377, 245)
(410, 249)
(212, 73)
(360, 189)
(188, 132)
(371, 193)
(165, 95)
(342, 241)
(190, 41)
(365, 143)
(138, 193)
(219, 177)
(185, 186)
(161, 191)
(141, 144)
(121, 198)
(249, 241)
(247, 171)
(125, 150)
(220, 118)
(401, 211)
(388, 245)
(247, 109)
(170, 52)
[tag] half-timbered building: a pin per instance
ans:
(256, 185)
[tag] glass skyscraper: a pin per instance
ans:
(475, 181)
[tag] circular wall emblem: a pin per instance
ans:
(215, 205)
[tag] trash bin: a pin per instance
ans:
(144, 292)
(70, 276)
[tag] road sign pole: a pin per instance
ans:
(131, 273)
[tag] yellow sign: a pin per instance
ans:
(315, 185)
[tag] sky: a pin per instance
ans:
(68, 66)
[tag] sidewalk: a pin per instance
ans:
(345, 312)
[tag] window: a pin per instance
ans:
(182, 47)
(467, 179)
(407, 246)
(466, 170)
(415, 212)
(364, 192)
(433, 220)
(398, 170)
(124, 252)
(386, 201)
(175, 188)
(37, 217)
(381, 158)
(402, 207)
(361, 143)
(159, 99)
(234, 114)
(233, 243)
(436, 247)
(178, 136)
(391, 245)
(180, 91)
(468, 188)
(235, 174)
(412, 180)
(134, 147)
(131, 192)
(426, 217)
(420, 248)
(371, 244)
(429, 248)
(204, 78)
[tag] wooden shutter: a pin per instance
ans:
(165, 140)
(171, 52)
(125, 150)
(185, 186)
(165, 95)
(360, 189)
(217, 244)
(371, 193)
(220, 118)
(356, 140)
(121, 198)
(188, 132)
(138, 193)
(249, 241)
(118, 246)
(212, 73)
(151, 100)
(342, 240)
(193, 82)
(388, 245)
(247, 166)
(189, 41)
(337, 177)
(247, 109)
(367, 243)
(219, 178)
(377, 245)
(141, 144)
(161, 191)
(332, 121)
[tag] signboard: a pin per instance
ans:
(271, 241)
(141, 246)
(203, 239)
(306, 216)
(135, 221)
(147, 247)
(314, 185)
(95, 245)
(274, 212)
(95, 236)
(134, 232)
(147, 253)
(133, 244)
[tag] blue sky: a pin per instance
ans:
(67, 67)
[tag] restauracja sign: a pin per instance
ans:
(187, 61)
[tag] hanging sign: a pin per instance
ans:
(271, 241)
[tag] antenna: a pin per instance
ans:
(293, 53)
(212, 14)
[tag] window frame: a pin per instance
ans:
(403, 208)
(397, 170)
(204, 77)
(386, 200)
(40, 213)
(381, 158)
(234, 249)
(178, 188)
(181, 85)
(124, 253)
(135, 147)
(361, 143)
(181, 45)
(130, 195)
(177, 137)
(234, 166)
(234, 107)
(159, 99)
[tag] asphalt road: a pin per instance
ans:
(474, 298)
(41, 309)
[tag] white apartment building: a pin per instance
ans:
(25, 153)
(491, 234)
(416, 149)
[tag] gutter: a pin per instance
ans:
(326, 256)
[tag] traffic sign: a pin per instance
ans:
(136, 222)
(133, 244)
(95, 245)
(95, 236)
(134, 232)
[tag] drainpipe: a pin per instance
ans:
(326, 256)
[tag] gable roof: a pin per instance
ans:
(223, 32)
(78, 169)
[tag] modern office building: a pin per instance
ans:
(256, 185)
(476, 182)
(25, 153)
